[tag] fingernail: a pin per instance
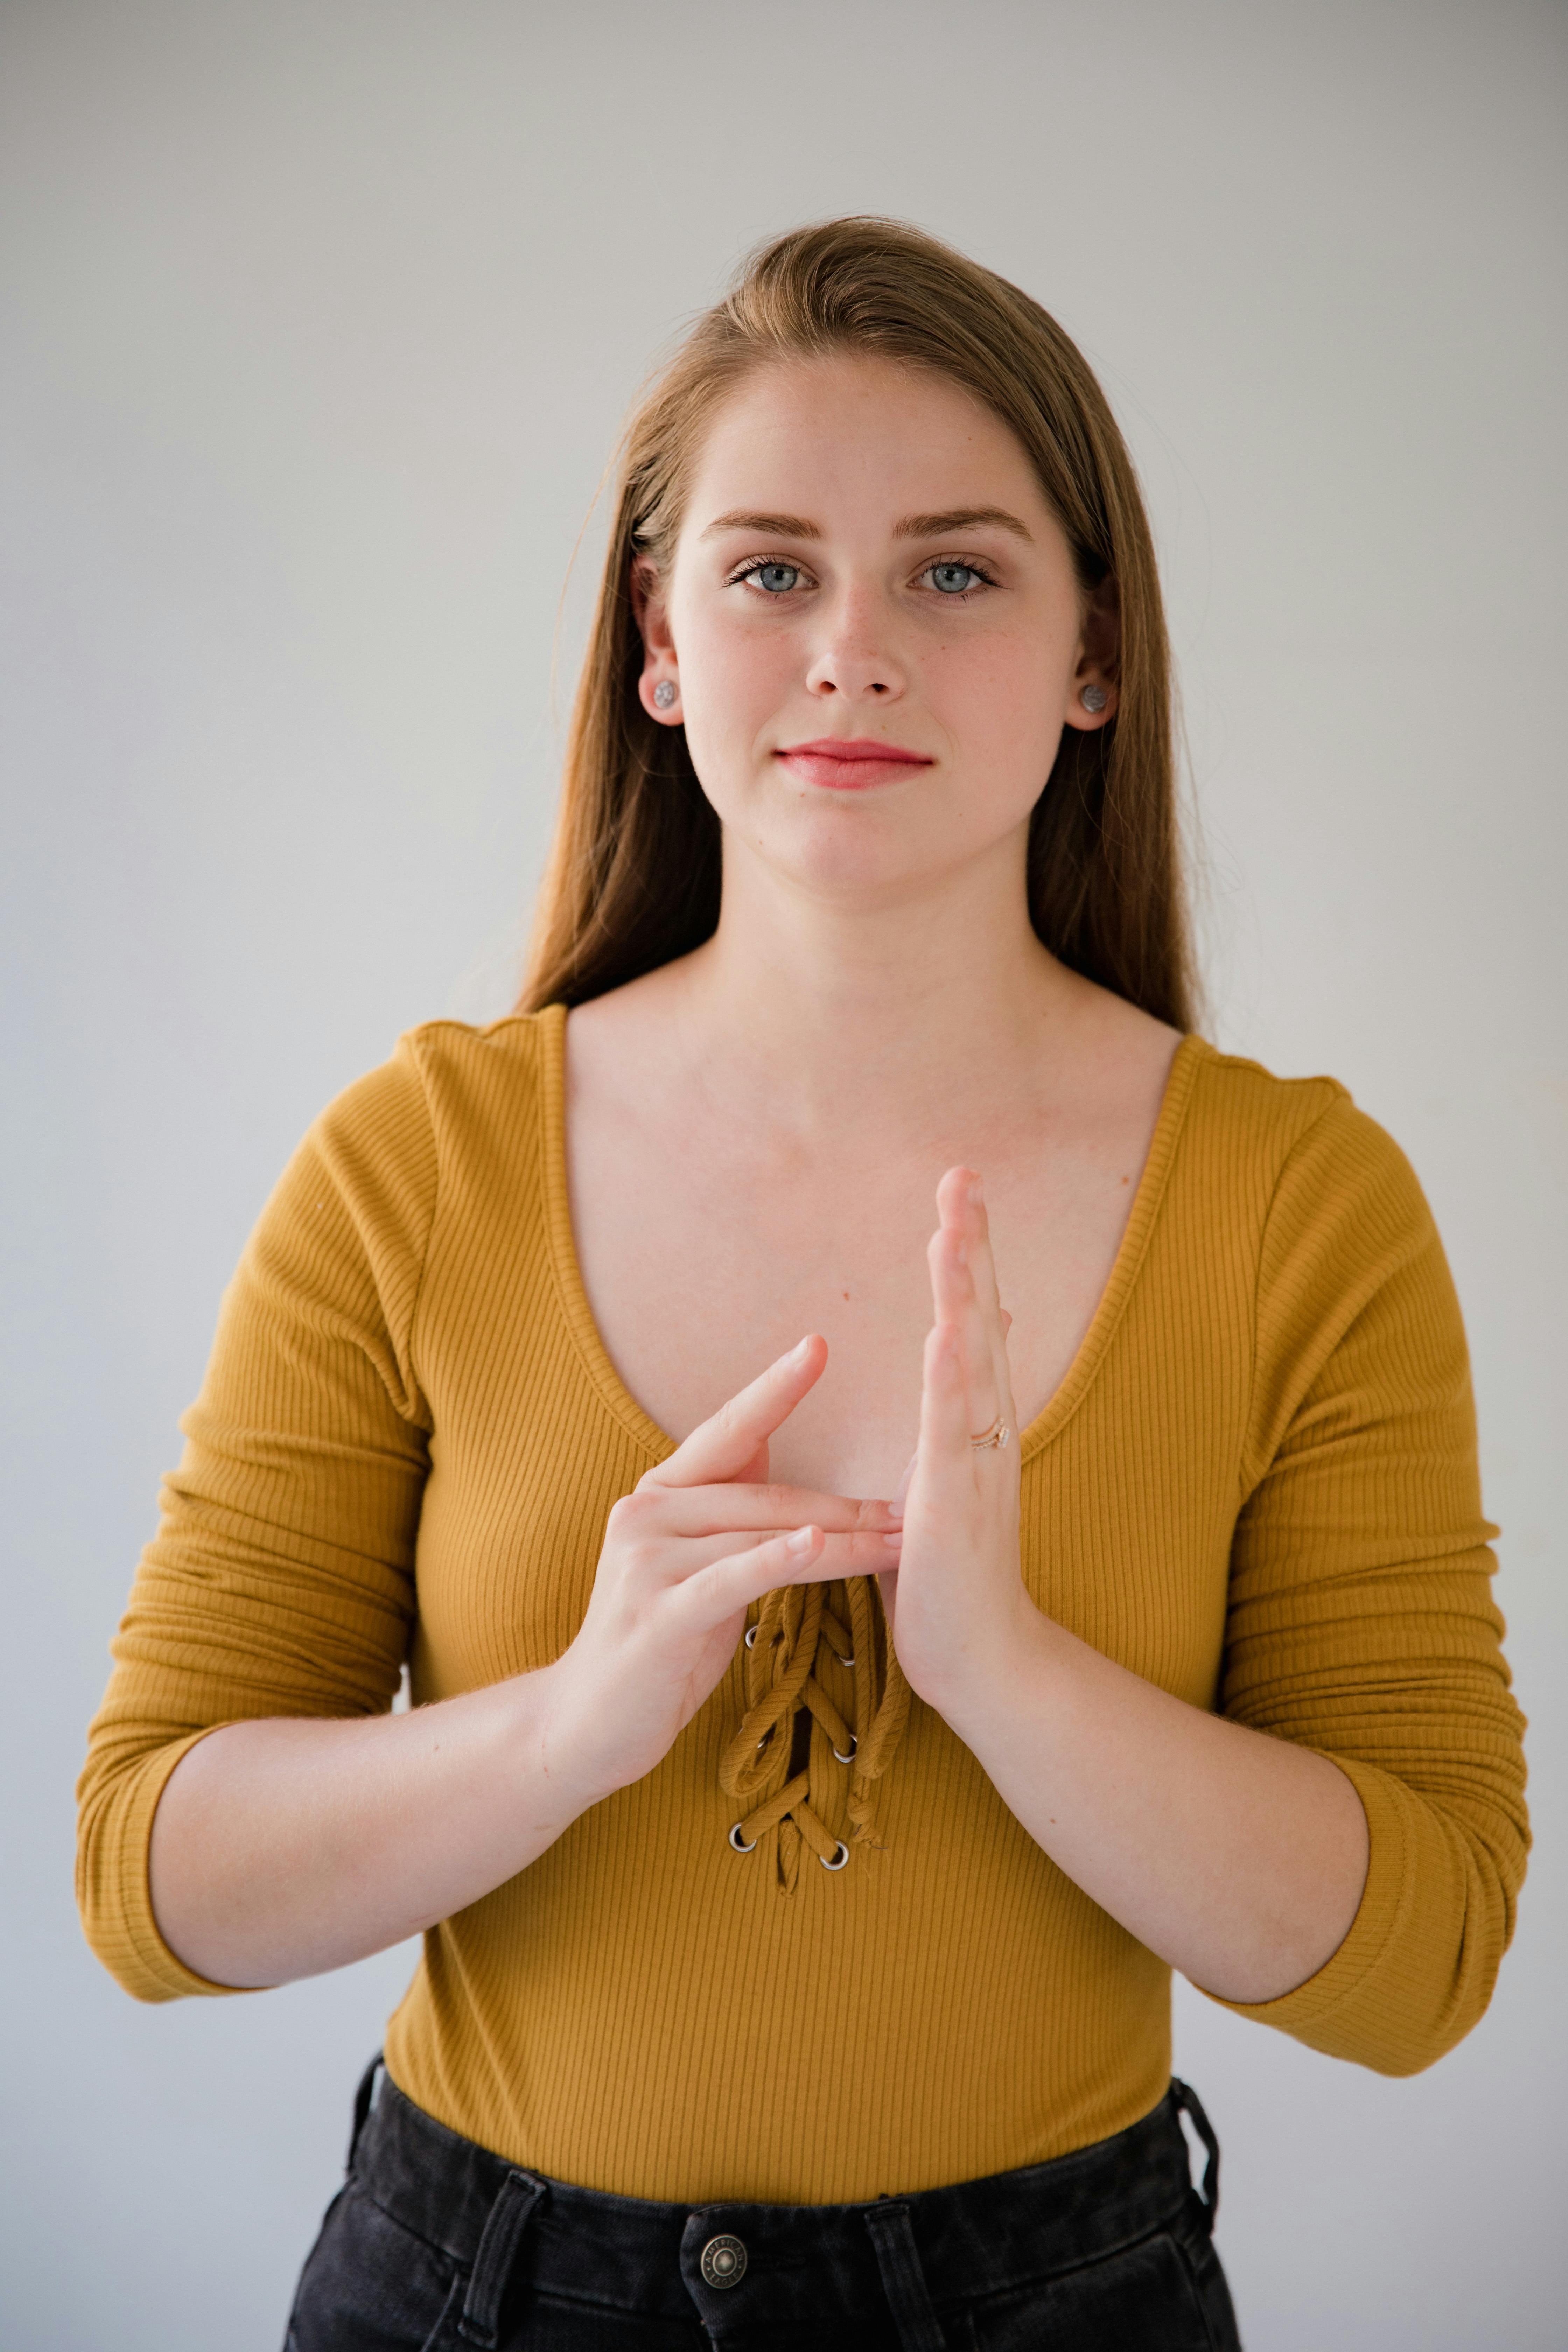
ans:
(800, 1542)
(896, 1513)
(893, 1540)
(976, 1192)
(797, 1354)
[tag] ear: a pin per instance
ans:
(1099, 665)
(658, 687)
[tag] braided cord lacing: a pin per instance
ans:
(777, 1808)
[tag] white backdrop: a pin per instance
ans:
(316, 319)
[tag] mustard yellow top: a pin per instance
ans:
(1256, 1487)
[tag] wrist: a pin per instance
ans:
(546, 1792)
(995, 1679)
(565, 1776)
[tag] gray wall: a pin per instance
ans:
(316, 322)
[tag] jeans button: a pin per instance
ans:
(723, 2262)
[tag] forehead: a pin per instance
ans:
(857, 436)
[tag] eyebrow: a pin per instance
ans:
(775, 526)
(919, 526)
(937, 526)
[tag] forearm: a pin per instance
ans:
(1237, 1858)
(285, 1847)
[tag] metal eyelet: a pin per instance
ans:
(854, 1747)
(751, 1632)
(735, 1840)
(839, 1865)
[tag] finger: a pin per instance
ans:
(729, 1585)
(961, 1198)
(982, 1265)
(864, 1554)
(741, 1509)
(946, 1477)
(958, 1307)
(727, 1444)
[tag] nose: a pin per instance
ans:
(854, 657)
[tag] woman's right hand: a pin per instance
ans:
(686, 1553)
(285, 1845)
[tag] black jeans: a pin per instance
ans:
(434, 2244)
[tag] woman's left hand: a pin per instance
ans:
(955, 1603)
(1238, 1857)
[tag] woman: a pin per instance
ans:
(803, 1840)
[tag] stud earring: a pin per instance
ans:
(1093, 697)
(664, 693)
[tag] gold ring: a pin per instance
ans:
(997, 1434)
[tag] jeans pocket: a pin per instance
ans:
(1143, 2294)
(371, 2285)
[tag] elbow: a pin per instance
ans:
(1418, 1968)
(114, 1899)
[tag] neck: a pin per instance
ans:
(824, 1013)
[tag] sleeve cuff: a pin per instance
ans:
(123, 1929)
(1384, 1999)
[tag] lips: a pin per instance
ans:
(850, 764)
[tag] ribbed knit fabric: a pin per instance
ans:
(1256, 1487)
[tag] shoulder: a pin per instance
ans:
(1249, 1109)
(375, 1164)
(441, 1081)
(1261, 1133)
(1339, 1234)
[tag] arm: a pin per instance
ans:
(249, 1810)
(281, 1849)
(1341, 1849)
(1237, 1858)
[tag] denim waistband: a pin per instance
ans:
(921, 2249)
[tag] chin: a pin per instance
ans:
(839, 855)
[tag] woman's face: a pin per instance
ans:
(874, 626)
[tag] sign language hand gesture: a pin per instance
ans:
(956, 1602)
(699, 1537)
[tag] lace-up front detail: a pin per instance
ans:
(780, 1806)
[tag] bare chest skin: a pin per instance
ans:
(709, 1243)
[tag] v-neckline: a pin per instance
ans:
(1069, 1391)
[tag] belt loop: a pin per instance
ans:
(1185, 2096)
(517, 2195)
(364, 2104)
(892, 2238)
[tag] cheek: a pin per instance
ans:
(734, 681)
(1002, 698)
(742, 665)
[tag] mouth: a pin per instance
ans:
(850, 764)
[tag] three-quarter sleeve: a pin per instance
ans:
(1361, 1618)
(281, 1581)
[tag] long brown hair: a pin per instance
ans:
(634, 874)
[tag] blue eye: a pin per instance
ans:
(774, 579)
(953, 579)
